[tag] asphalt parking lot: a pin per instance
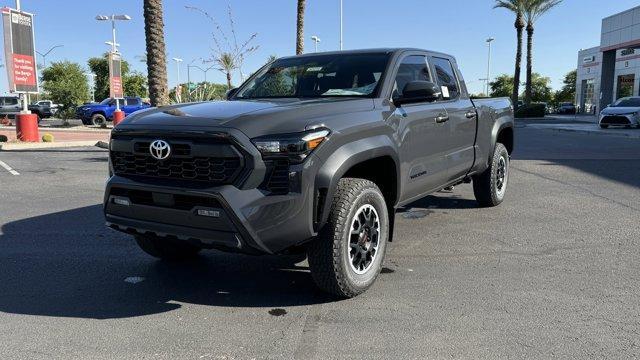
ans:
(552, 272)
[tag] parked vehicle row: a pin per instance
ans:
(313, 153)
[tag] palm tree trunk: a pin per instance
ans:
(528, 91)
(228, 81)
(300, 28)
(519, 25)
(156, 58)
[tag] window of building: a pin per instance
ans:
(625, 85)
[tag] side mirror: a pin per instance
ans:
(231, 92)
(418, 91)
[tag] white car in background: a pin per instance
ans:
(624, 112)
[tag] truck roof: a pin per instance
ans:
(367, 51)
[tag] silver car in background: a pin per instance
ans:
(624, 112)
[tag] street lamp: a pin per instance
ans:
(316, 40)
(178, 61)
(489, 41)
(340, 24)
(113, 19)
(93, 86)
(44, 55)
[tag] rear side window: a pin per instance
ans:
(133, 101)
(9, 101)
(411, 68)
(446, 78)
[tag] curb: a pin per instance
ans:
(80, 129)
(53, 145)
(596, 132)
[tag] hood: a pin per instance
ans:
(252, 117)
(620, 110)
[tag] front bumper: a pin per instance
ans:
(619, 119)
(241, 218)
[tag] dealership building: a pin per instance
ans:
(612, 70)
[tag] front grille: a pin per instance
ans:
(218, 171)
(615, 120)
(190, 161)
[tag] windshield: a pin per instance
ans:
(318, 76)
(627, 102)
(106, 101)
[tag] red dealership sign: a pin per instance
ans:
(115, 76)
(19, 51)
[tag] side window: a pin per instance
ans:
(446, 78)
(12, 101)
(132, 101)
(411, 68)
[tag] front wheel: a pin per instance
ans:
(346, 257)
(490, 186)
(98, 120)
(166, 248)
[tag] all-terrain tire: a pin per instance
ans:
(166, 248)
(490, 186)
(332, 267)
(98, 119)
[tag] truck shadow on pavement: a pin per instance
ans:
(68, 264)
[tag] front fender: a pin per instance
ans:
(344, 158)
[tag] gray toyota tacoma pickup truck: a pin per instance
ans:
(313, 153)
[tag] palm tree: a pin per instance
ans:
(156, 60)
(517, 7)
(227, 64)
(300, 28)
(533, 11)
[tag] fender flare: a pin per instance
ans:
(500, 124)
(344, 158)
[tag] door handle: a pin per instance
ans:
(470, 114)
(442, 118)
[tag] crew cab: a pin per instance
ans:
(100, 113)
(313, 153)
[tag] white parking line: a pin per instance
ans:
(8, 168)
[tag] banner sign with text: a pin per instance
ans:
(116, 89)
(19, 50)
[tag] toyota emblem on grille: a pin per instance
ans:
(160, 149)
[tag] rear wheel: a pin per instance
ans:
(167, 249)
(346, 257)
(98, 119)
(490, 186)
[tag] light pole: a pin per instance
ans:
(113, 19)
(178, 61)
(340, 24)
(44, 55)
(489, 41)
(316, 40)
(93, 86)
(114, 43)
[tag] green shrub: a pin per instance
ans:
(531, 111)
(47, 137)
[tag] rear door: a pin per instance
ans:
(131, 105)
(462, 117)
(422, 139)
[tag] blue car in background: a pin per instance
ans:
(99, 114)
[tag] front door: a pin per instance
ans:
(462, 118)
(423, 135)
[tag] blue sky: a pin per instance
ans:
(458, 27)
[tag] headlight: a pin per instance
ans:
(296, 146)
